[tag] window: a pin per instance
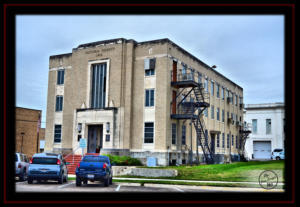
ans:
(268, 126)
(222, 93)
(206, 137)
(218, 114)
(227, 93)
(254, 126)
(212, 112)
(236, 142)
(149, 66)
(232, 140)
(236, 100)
(60, 77)
(223, 140)
(212, 88)
(223, 115)
(206, 85)
(199, 77)
(57, 133)
(228, 115)
(107, 138)
(149, 132)
(174, 133)
(149, 97)
(218, 91)
(98, 85)
(183, 134)
(206, 112)
(218, 140)
(228, 140)
(59, 103)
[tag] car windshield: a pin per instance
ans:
(94, 159)
(16, 157)
(44, 160)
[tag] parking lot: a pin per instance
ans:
(127, 187)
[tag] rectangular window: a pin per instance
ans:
(218, 114)
(206, 85)
(212, 88)
(232, 140)
(223, 140)
(236, 100)
(212, 112)
(218, 91)
(57, 133)
(149, 97)
(206, 112)
(59, 103)
(222, 93)
(236, 142)
(60, 77)
(107, 138)
(183, 134)
(228, 140)
(199, 77)
(218, 140)
(98, 86)
(149, 66)
(268, 126)
(223, 114)
(174, 133)
(149, 132)
(206, 137)
(254, 126)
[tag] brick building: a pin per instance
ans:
(27, 130)
(142, 99)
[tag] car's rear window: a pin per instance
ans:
(94, 159)
(44, 160)
(277, 150)
(16, 157)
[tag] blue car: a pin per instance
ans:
(47, 166)
(94, 168)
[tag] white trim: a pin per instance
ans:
(89, 67)
(60, 68)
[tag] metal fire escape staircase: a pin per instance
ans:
(191, 100)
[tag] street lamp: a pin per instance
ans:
(22, 134)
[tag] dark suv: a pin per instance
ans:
(47, 166)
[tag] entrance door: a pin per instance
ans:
(94, 138)
(174, 78)
(174, 102)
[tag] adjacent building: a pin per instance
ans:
(28, 122)
(267, 121)
(122, 96)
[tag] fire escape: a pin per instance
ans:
(189, 101)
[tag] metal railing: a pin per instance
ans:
(186, 75)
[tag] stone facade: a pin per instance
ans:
(27, 122)
(122, 121)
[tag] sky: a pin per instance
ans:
(247, 49)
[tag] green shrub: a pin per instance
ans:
(124, 160)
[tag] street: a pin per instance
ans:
(128, 187)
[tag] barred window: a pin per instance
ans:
(183, 134)
(60, 77)
(57, 133)
(149, 132)
(174, 133)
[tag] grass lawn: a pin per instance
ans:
(238, 171)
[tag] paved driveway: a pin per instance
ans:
(127, 187)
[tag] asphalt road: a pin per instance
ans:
(127, 187)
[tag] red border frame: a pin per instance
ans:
(155, 202)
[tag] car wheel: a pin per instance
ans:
(106, 182)
(277, 158)
(30, 180)
(78, 182)
(85, 182)
(61, 179)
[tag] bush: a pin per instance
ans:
(124, 160)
